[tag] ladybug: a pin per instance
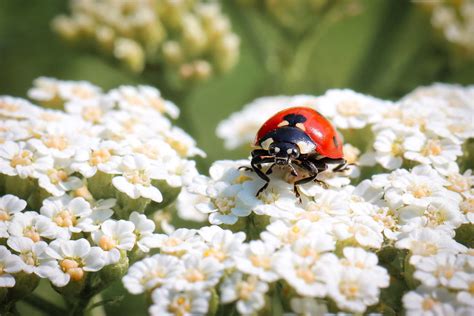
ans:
(297, 137)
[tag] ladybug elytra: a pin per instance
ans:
(297, 137)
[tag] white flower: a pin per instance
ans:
(306, 306)
(437, 151)
(348, 109)
(425, 242)
(20, 159)
(354, 289)
(180, 241)
(8, 264)
(392, 144)
(418, 188)
(143, 231)
(185, 205)
(136, 178)
(33, 255)
(283, 233)
(114, 236)
(90, 110)
(248, 292)
(104, 157)
(199, 273)
(362, 229)
(307, 277)
(47, 90)
(17, 108)
(312, 247)
(149, 273)
(224, 207)
(9, 206)
(61, 140)
(465, 295)
(71, 215)
(142, 97)
(223, 245)
(359, 258)
(257, 260)
(442, 269)
(184, 144)
(428, 301)
(75, 258)
(168, 302)
(58, 179)
(32, 225)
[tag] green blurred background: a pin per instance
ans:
(387, 49)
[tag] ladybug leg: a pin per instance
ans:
(341, 167)
(269, 170)
(313, 171)
(256, 165)
(254, 153)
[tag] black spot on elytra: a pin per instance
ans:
(334, 139)
(294, 119)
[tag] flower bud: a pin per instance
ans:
(130, 53)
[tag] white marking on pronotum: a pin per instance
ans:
(277, 149)
(283, 123)
(305, 147)
(301, 126)
(266, 143)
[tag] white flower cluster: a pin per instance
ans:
(197, 269)
(66, 239)
(118, 144)
(317, 254)
(455, 20)
(191, 40)
(74, 183)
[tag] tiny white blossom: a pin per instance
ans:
(8, 264)
(170, 302)
(114, 236)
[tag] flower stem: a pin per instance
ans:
(44, 305)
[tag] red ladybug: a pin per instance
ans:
(301, 137)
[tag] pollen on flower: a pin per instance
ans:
(225, 204)
(107, 243)
(30, 232)
(23, 158)
(432, 148)
(58, 142)
(420, 190)
(100, 156)
(92, 114)
(194, 275)
(306, 274)
(65, 218)
(349, 289)
(180, 306)
(4, 216)
(349, 108)
(137, 177)
(261, 261)
(246, 288)
(467, 206)
(428, 304)
(57, 176)
(215, 253)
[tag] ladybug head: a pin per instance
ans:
(284, 152)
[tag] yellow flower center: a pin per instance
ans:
(92, 114)
(349, 108)
(84, 193)
(28, 258)
(420, 190)
(137, 177)
(397, 148)
(57, 176)
(216, 253)
(150, 152)
(107, 243)
(180, 306)
(23, 158)
(306, 274)
(56, 142)
(30, 232)
(467, 206)
(261, 261)
(470, 288)
(172, 242)
(158, 104)
(99, 156)
(72, 268)
(241, 179)
(4, 216)
(432, 148)
(9, 107)
(349, 289)
(246, 288)
(424, 248)
(225, 204)
(458, 183)
(65, 219)
(428, 304)
(194, 275)
(180, 147)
